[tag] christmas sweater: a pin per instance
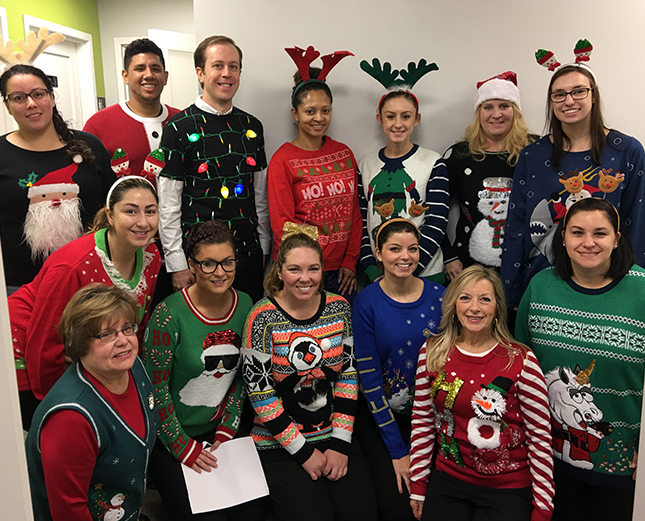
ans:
(591, 347)
(479, 233)
(317, 187)
(194, 364)
(19, 170)
(118, 481)
(541, 196)
(411, 186)
(215, 157)
(36, 308)
(388, 335)
(118, 127)
(489, 423)
(301, 378)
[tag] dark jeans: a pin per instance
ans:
(330, 283)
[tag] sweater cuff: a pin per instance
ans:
(541, 515)
(190, 453)
(224, 433)
(339, 446)
(372, 272)
(304, 453)
(418, 490)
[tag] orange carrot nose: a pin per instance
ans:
(495, 206)
(485, 405)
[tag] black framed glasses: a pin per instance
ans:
(577, 94)
(209, 266)
(110, 335)
(20, 98)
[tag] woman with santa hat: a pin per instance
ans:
(480, 169)
(191, 350)
(119, 253)
(52, 179)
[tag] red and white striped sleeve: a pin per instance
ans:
(534, 408)
(423, 431)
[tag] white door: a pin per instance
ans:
(7, 124)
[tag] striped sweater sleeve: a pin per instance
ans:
(534, 408)
(435, 218)
(423, 431)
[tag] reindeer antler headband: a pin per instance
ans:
(390, 78)
(582, 51)
(303, 59)
(30, 49)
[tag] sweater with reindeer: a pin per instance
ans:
(591, 346)
(541, 196)
(317, 187)
(413, 186)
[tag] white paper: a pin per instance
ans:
(237, 479)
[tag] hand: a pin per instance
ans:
(402, 471)
(336, 466)
(181, 279)
(634, 464)
(315, 465)
(453, 268)
(417, 507)
(346, 281)
(205, 461)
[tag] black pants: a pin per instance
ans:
(392, 506)
(296, 497)
(575, 499)
(250, 274)
(450, 498)
(165, 471)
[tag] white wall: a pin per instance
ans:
(132, 19)
(469, 40)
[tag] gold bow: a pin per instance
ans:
(290, 228)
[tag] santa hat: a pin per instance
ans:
(228, 337)
(503, 86)
(57, 181)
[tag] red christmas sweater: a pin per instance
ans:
(489, 423)
(318, 187)
(35, 309)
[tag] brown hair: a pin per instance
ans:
(208, 232)
(199, 56)
(86, 313)
(135, 183)
(272, 282)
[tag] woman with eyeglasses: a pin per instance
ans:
(53, 179)
(88, 449)
(579, 158)
(119, 253)
(192, 353)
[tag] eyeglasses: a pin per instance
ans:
(210, 266)
(110, 335)
(577, 94)
(20, 98)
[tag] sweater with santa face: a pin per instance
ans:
(541, 196)
(20, 170)
(301, 378)
(194, 363)
(488, 422)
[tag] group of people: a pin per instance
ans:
(404, 400)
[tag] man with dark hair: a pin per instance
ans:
(215, 169)
(131, 129)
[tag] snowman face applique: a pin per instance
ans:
(488, 404)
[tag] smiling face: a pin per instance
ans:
(220, 75)
(219, 281)
(476, 307)
(111, 360)
(30, 116)
(399, 255)
(313, 115)
(301, 274)
(590, 239)
(572, 112)
(496, 118)
(135, 218)
(145, 77)
(398, 117)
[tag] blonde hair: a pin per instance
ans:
(438, 348)
(512, 144)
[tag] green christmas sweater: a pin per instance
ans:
(591, 347)
(193, 363)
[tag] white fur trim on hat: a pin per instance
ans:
(55, 187)
(498, 89)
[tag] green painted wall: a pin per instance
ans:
(81, 15)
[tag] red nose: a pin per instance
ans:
(56, 203)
